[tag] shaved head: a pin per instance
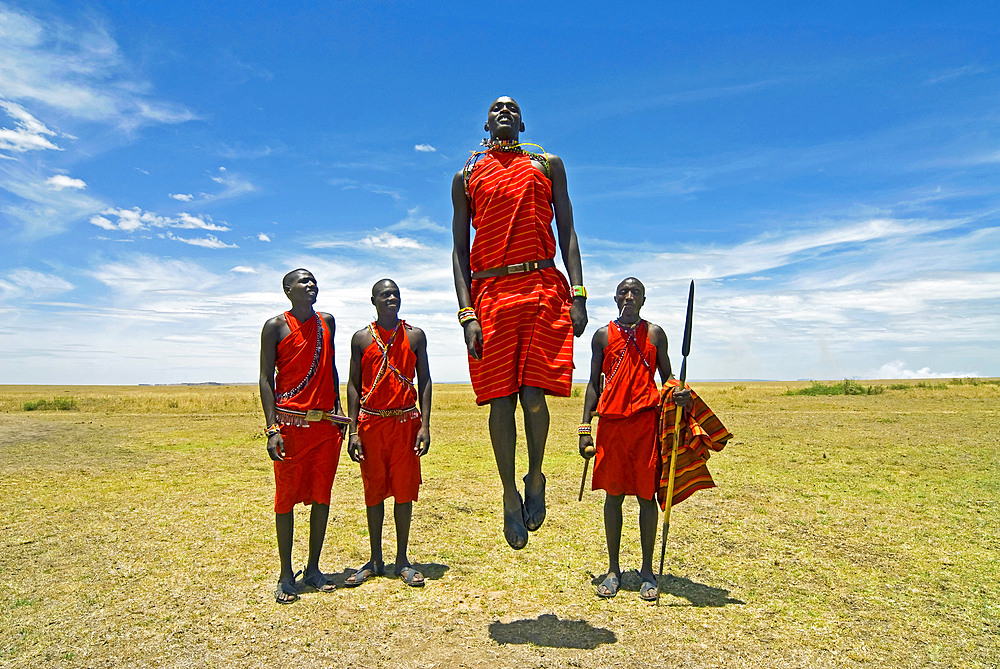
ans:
(288, 278)
(380, 284)
(634, 281)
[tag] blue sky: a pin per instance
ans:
(826, 174)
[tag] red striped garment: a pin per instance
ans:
(527, 330)
(701, 433)
(628, 455)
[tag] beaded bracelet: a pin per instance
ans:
(272, 430)
(579, 291)
(585, 428)
(466, 314)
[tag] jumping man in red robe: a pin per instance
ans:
(518, 311)
(304, 423)
(626, 353)
(389, 434)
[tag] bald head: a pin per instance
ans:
(383, 284)
(634, 282)
(292, 276)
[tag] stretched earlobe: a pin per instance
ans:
(522, 126)
(486, 126)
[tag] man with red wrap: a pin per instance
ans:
(518, 311)
(388, 435)
(304, 423)
(622, 389)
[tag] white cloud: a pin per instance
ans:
(208, 242)
(38, 283)
(897, 369)
(235, 186)
(376, 240)
(424, 148)
(414, 222)
(28, 133)
(243, 269)
(182, 197)
(60, 181)
(131, 220)
(263, 237)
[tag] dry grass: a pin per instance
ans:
(846, 531)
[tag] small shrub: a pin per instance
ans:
(57, 404)
(847, 387)
(575, 393)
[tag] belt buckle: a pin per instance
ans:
(518, 268)
(314, 415)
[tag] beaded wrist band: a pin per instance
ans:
(272, 430)
(579, 291)
(466, 314)
(585, 428)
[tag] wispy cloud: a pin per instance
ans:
(235, 186)
(183, 197)
(26, 281)
(424, 148)
(414, 222)
(263, 237)
(131, 220)
(208, 242)
(898, 369)
(29, 134)
(375, 240)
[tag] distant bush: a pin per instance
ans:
(57, 404)
(847, 387)
(975, 381)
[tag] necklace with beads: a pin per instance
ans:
(503, 146)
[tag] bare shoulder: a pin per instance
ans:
(656, 333)
(601, 337)
(272, 326)
(361, 338)
(416, 336)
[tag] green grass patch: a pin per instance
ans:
(847, 387)
(56, 404)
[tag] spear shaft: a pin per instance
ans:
(685, 350)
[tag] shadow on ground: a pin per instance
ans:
(432, 571)
(696, 593)
(547, 630)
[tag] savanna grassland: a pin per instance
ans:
(858, 530)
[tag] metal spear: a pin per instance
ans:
(685, 350)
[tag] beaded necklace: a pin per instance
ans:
(284, 397)
(503, 146)
(629, 333)
(386, 365)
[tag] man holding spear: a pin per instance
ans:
(622, 389)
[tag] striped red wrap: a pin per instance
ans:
(701, 433)
(527, 330)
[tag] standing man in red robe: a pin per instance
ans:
(304, 423)
(518, 311)
(388, 435)
(626, 353)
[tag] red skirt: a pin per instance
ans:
(391, 468)
(628, 455)
(306, 474)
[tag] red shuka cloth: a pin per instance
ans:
(701, 433)
(390, 467)
(304, 381)
(628, 458)
(527, 331)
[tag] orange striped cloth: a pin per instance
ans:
(527, 330)
(701, 433)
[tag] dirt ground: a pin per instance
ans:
(845, 531)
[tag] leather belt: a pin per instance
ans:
(520, 267)
(295, 417)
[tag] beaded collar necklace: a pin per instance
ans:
(503, 146)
